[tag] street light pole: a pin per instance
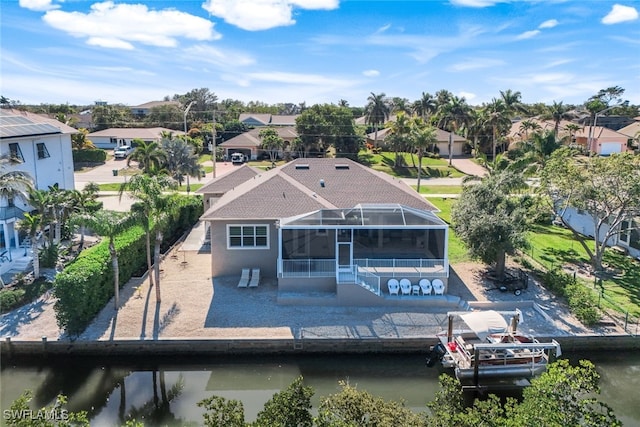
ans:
(186, 110)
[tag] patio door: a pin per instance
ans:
(344, 250)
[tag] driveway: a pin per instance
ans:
(104, 174)
(468, 166)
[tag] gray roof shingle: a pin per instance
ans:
(295, 188)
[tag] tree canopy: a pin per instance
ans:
(606, 188)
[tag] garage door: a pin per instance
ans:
(607, 148)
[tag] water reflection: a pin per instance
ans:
(166, 391)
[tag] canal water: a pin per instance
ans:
(166, 391)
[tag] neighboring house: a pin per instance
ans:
(628, 238)
(633, 133)
(111, 138)
(324, 225)
(42, 148)
(458, 143)
(248, 143)
(144, 109)
(257, 120)
(601, 140)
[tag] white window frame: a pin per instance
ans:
(242, 229)
(625, 232)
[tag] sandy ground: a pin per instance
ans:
(193, 305)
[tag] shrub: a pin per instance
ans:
(86, 285)
(10, 298)
(89, 156)
(582, 303)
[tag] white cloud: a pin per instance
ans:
(619, 14)
(476, 3)
(468, 96)
(121, 25)
(212, 55)
(528, 34)
(296, 78)
(371, 73)
(38, 5)
(549, 23)
(255, 15)
(476, 64)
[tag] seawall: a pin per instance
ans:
(201, 347)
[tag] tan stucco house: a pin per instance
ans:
(324, 225)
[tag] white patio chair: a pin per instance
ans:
(393, 286)
(405, 286)
(426, 287)
(438, 286)
(255, 278)
(244, 278)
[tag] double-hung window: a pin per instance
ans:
(247, 236)
(43, 153)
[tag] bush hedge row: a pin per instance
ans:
(582, 301)
(85, 286)
(89, 156)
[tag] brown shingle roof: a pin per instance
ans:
(252, 138)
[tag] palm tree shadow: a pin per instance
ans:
(143, 331)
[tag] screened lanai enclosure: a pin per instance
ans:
(364, 245)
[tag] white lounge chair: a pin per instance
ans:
(438, 286)
(244, 278)
(405, 286)
(393, 286)
(255, 278)
(425, 285)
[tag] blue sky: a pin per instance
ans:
(317, 51)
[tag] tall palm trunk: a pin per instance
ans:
(450, 148)
(494, 143)
(156, 266)
(419, 168)
(149, 264)
(116, 273)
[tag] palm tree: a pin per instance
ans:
(149, 156)
(14, 183)
(110, 224)
(425, 107)
(400, 105)
(377, 112)
(529, 125)
(572, 128)
(148, 190)
(497, 117)
(513, 103)
(399, 131)
(79, 140)
(453, 115)
(180, 160)
(422, 136)
(272, 143)
(31, 223)
(558, 112)
(84, 202)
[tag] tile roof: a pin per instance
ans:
(441, 135)
(229, 181)
(141, 133)
(251, 117)
(252, 137)
(631, 130)
(295, 188)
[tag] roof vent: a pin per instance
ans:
(341, 166)
(302, 166)
(322, 183)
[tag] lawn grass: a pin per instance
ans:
(431, 168)
(555, 247)
(456, 249)
(439, 189)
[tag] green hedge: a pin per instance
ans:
(86, 285)
(89, 156)
(582, 301)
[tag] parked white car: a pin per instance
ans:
(122, 152)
